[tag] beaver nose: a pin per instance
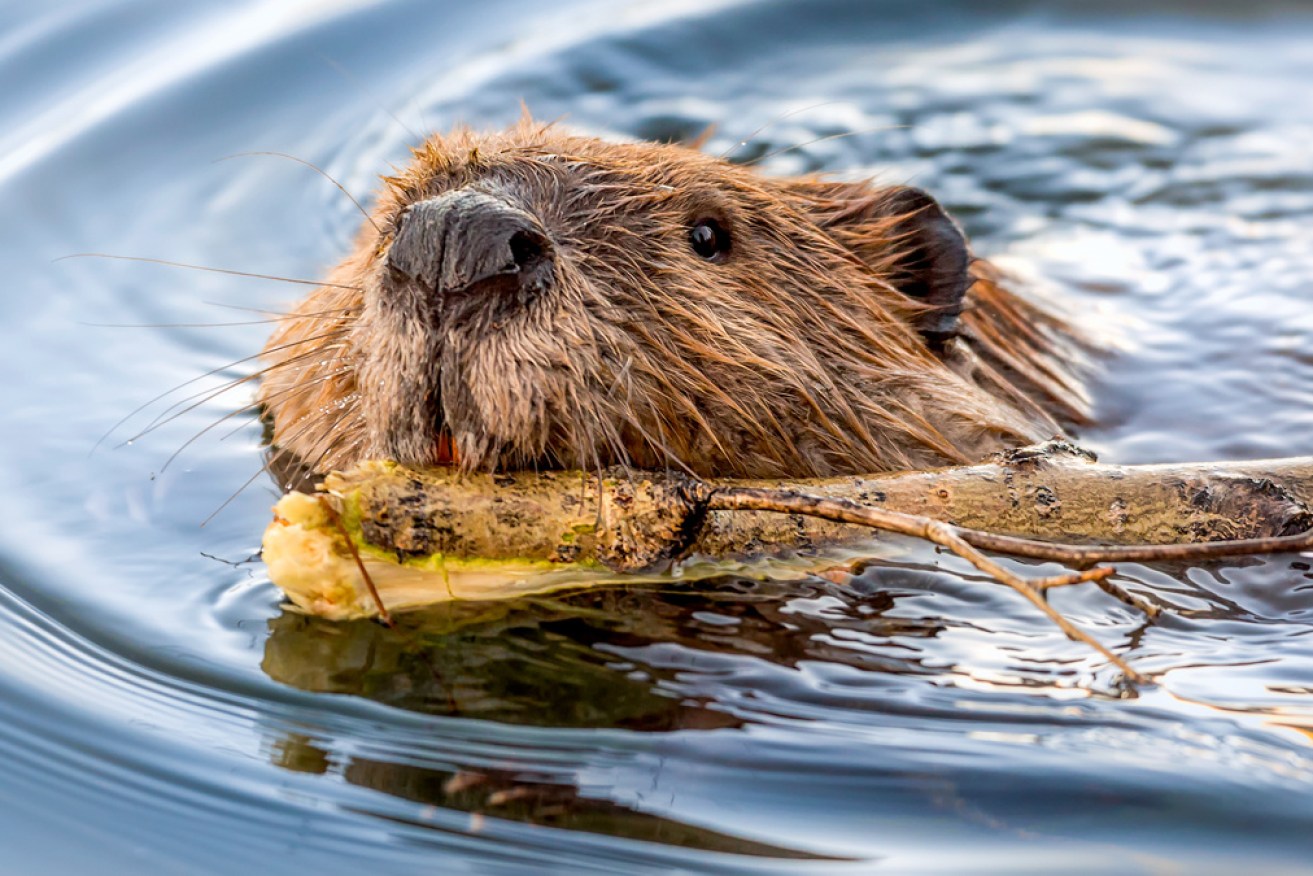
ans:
(468, 241)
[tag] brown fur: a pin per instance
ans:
(794, 357)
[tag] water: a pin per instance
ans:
(1148, 165)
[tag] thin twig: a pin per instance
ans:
(1080, 554)
(336, 518)
(944, 534)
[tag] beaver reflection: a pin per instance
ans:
(594, 659)
(508, 795)
(587, 659)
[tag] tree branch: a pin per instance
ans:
(385, 537)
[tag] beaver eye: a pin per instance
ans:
(709, 240)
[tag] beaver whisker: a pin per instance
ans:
(875, 129)
(360, 86)
(289, 315)
(772, 123)
(160, 418)
(183, 325)
(255, 405)
(341, 334)
(317, 169)
(267, 466)
(306, 423)
(330, 446)
(260, 403)
(297, 389)
(608, 427)
(137, 410)
(233, 497)
(193, 439)
(581, 438)
(229, 271)
(668, 454)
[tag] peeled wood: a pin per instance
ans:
(430, 536)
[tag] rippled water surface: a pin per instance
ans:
(1149, 166)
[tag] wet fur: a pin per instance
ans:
(797, 356)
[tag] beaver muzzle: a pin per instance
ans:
(464, 264)
(468, 244)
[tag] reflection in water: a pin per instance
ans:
(725, 655)
(573, 660)
(543, 662)
(546, 662)
(517, 796)
(493, 662)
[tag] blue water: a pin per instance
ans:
(1147, 167)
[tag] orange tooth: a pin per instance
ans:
(446, 449)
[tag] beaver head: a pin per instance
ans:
(533, 298)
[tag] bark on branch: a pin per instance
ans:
(383, 537)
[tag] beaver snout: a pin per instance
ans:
(468, 243)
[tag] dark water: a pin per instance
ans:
(1149, 165)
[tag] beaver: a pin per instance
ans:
(534, 298)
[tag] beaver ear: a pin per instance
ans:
(903, 234)
(932, 263)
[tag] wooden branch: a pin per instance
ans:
(1058, 493)
(385, 537)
